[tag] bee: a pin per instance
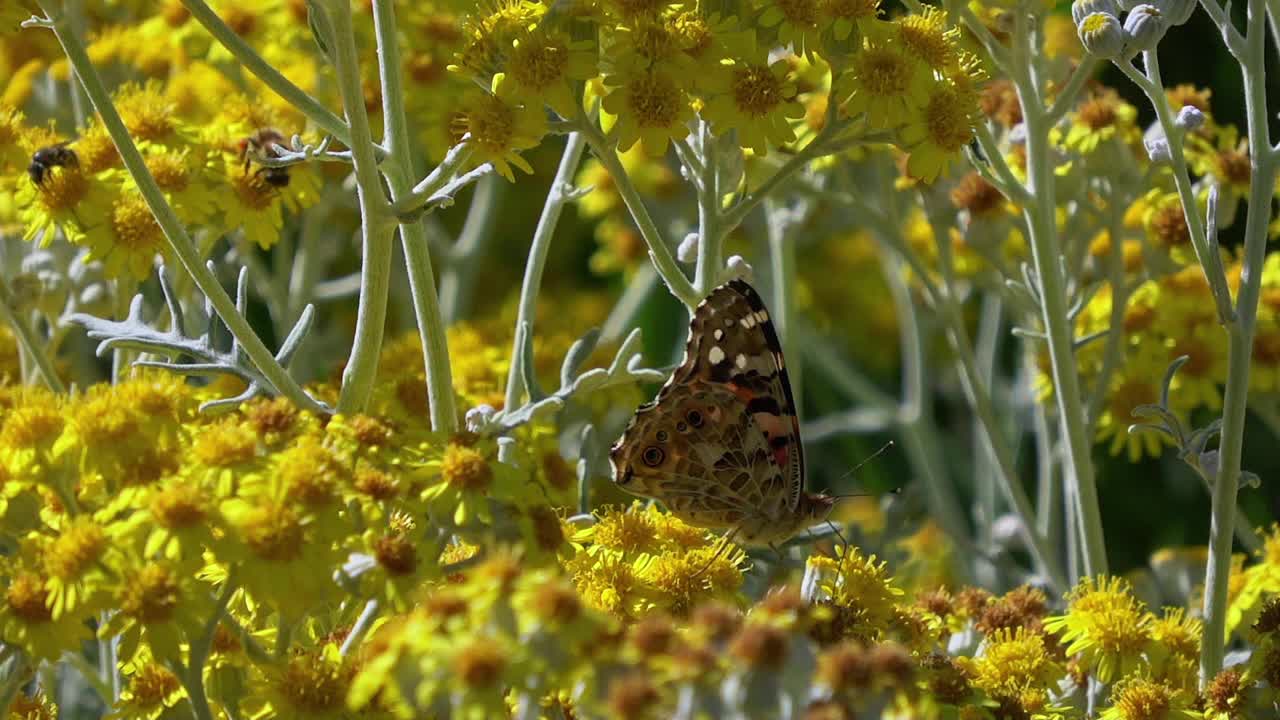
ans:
(261, 144)
(47, 158)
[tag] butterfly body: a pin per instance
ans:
(720, 444)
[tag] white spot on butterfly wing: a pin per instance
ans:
(715, 355)
(740, 361)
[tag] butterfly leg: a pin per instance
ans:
(778, 551)
(723, 545)
(840, 535)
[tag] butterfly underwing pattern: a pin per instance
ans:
(720, 444)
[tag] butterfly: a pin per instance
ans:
(720, 444)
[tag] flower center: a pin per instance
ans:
(654, 100)
(756, 90)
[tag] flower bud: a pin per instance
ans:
(1144, 26)
(1101, 35)
(1081, 9)
(687, 251)
(1158, 149)
(1176, 12)
(1189, 118)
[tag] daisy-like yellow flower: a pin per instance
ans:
(885, 80)
(859, 592)
(1106, 625)
(1013, 661)
(650, 107)
(1140, 698)
(1098, 119)
(500, 128)
(845, 16)
(797, 23)
(461, 477)
(938, 130)
(27, 621)
(756, 100)
(129, 240)
(545, 65)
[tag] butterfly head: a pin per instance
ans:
(816, 508)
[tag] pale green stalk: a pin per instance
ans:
(818, 147)
(1153, 87)
(663, 260)
(558, 196)
(1046, 253)
(174, 232)
(1239, 349)
(413, 235)
(28, 340)
(377, 222)
(272, 78)
(710, 237)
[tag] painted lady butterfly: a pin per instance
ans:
(720, 444)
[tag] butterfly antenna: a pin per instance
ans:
(868, 459)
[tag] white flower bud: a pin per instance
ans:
(1189, 118)
(687, 252)
(1176, 12)
(1158, 149)
(479, 417)
(1081, 9)
(1101, 35)
(1144, 27)
(737, 267)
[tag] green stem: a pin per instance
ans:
(174, 232)
(413, 236)
(558, 196)
(1046, 254)
(1067, 98)
(1152, 86)
(272, 78)
(707, 272)
(979, 397)
(816, 148)
(782, 259)
(663, 261)
(377, 224)
(1240, 345)
(27, 338)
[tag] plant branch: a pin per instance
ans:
(333, 19)
(324, 118)
(174, 232)
(413, 236)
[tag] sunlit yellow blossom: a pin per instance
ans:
(1106, 625)
(756, 100)
(650, 107)
(885, 81)
(1011, 662)
(500, 128)
(1139, 698)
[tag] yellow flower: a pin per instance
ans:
(544, 66)
(1106, 625)
(797, 23)
(1097, 120)
(27, 621)
(860, 592)
(939, 128)
(500, 127)
(308, 684)
(756, 100)
(1139, 698)
(885, 80)
(1013, 661)
(651, 107)
(130, 239)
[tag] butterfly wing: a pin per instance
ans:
(733, 343)
(721, 442)
(698, 451)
